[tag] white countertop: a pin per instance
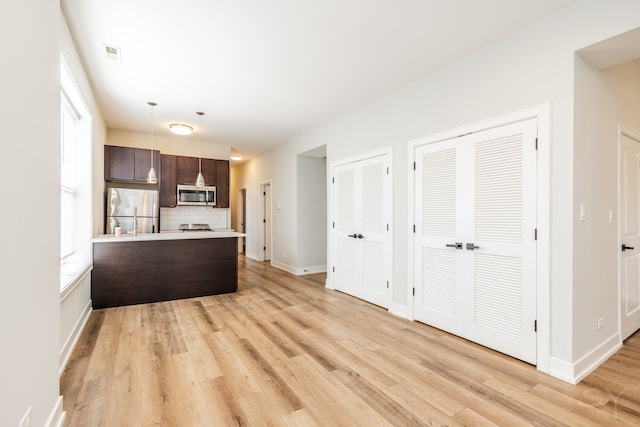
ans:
(167, 235)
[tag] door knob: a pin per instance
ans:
(360, 236)
(625, 247)
(355, 236)
(457, 245)
(471, 246)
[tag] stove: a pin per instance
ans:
(194, 227)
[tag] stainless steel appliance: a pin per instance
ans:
(195, 227)
(126, 206)
(196, 196)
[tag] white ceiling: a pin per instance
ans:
(264, 71)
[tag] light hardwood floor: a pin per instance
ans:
(285, 351)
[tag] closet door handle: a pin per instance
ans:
(625, 247)
(360, 236)
(456, 245)
(471, 246)
(355, 236)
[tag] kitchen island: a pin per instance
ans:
(163, 266)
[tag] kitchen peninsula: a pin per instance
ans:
(163, 266)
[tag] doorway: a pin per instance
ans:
(629, 230)
(266, 214)
(241, 219)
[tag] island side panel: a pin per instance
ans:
(136, 272)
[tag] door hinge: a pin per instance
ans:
(387, 284)
(264, 193)
(387, 170)
(535, 326)
(264, 220)
(334, 269)
(333, 180)
(414, 292)
(414, 165)
(264, 248)
(387, 227)
(536, 143)
(414, 228)
(535, 234)
(333, 225)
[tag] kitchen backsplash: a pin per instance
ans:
(171, 218)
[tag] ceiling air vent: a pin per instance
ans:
(113, 53)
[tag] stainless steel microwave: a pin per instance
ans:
(196, 196)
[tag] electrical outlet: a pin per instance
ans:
(26, 419)
(600, 323)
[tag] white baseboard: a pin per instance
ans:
(311, 270)
(401, 311)
(72, 340)
(57, 416)
(573, 373)
(329, 283)
(591, 361)
(253, 256)
(282, 266)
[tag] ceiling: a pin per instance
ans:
(264, 71)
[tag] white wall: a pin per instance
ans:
(30, 263)
(75, 304)
(312, 214)
(528, 68)
(177, 145)
(602, 99)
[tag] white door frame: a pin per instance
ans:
(263, 227)
(542, 114)
(241, 216)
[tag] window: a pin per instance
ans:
(75, 180)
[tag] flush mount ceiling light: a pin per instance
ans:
(180, 129)
(236, 157)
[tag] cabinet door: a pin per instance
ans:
(119, 163)
(222, 183)
(187, 170)
(209, 171)
(168, 181)
(142, 163)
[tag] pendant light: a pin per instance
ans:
(152, 177)
(200, 177)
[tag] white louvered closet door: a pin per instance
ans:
(344, 246)
(439, 228)
(361, 238)
(495, 271)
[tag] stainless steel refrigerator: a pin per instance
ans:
(123, 204)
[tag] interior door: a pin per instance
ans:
(629, 233)
(475, 237)
(361, 232)
(267, 221)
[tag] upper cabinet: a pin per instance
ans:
(183, 170)
(129, 164)
(168, 181)
(222, 183)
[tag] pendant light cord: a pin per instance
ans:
(152, 104)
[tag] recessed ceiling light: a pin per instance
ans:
(236, 157)
(180, 129)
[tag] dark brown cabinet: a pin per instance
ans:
(168, 181)
(183, 170)
(129, 164)
(222, 183)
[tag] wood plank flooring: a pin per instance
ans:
(285, 351)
